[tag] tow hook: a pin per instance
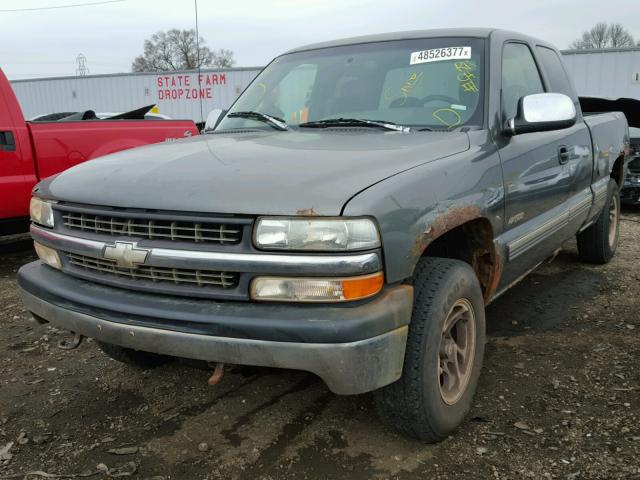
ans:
(217, 374)
(71, 344)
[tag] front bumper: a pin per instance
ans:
(353, 348)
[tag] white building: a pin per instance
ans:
(180, 94)
(610, 73)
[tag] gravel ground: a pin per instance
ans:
(558, 398)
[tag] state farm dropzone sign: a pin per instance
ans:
(188, 86)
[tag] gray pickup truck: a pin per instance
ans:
(351, 216)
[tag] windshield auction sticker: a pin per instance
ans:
(440, 54)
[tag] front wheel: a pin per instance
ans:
(444, 353)
(598, 243)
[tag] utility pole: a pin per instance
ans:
(82, 68)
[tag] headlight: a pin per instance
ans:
(316, 234)
(48, 255)
(295, 289)
(41, 212)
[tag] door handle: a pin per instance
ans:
(7, 142)
(563, 154)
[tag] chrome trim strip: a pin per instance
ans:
(551, 226)
(600, 188)
(347, 368)
(582, 206)
(529, 240)
(66, 242)
(271, 263)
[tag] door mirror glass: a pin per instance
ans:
(542, 112)
(213, 119)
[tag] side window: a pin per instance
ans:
(520, 76)
(555, 72)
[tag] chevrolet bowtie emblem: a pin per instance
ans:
(126, 254)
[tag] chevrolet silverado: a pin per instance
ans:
(351, 215)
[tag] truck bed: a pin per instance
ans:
(605, 128)
(61, 145)
(32, 151)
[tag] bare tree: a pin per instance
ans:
(603, 35)
(176, 50)
(620, 36)
(596, 37)
(223, 58)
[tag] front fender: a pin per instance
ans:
(417, 206)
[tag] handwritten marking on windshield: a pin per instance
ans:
(406, 88)
(466, 76)
(410, 84)
(448, 117)
(464, 66)
(467, 82)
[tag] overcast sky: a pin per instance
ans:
(43, 43)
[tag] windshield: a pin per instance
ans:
(434, 83)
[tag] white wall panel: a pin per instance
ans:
(607, 73)
(177, 94)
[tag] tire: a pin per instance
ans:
(132, 357)
(598, 243)
(419, 404)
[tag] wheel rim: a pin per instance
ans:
(613, 221)
(457, 351)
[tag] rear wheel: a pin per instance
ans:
(444, 353)
(598, 243)
(133, 357)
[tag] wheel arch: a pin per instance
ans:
(465, 235)
(617, 171)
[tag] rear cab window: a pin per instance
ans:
(555, 72)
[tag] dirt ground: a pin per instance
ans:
(558, 398)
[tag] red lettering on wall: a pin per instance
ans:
(178, 87)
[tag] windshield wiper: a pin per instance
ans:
(275, 122)
(355, 122)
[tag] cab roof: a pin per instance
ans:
(413, 34)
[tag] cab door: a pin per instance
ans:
(16, 165)
(577, 139)
(537, 169)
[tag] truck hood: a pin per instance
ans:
(267, 173)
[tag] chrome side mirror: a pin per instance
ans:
(213, 119)
(542, 112)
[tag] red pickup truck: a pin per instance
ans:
(31, 151)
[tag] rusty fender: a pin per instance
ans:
(484, 259)
(442, 223)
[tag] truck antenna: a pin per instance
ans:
(195, 2)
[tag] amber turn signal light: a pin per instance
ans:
(305, 289)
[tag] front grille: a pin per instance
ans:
(148, 274)
(186, 231)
